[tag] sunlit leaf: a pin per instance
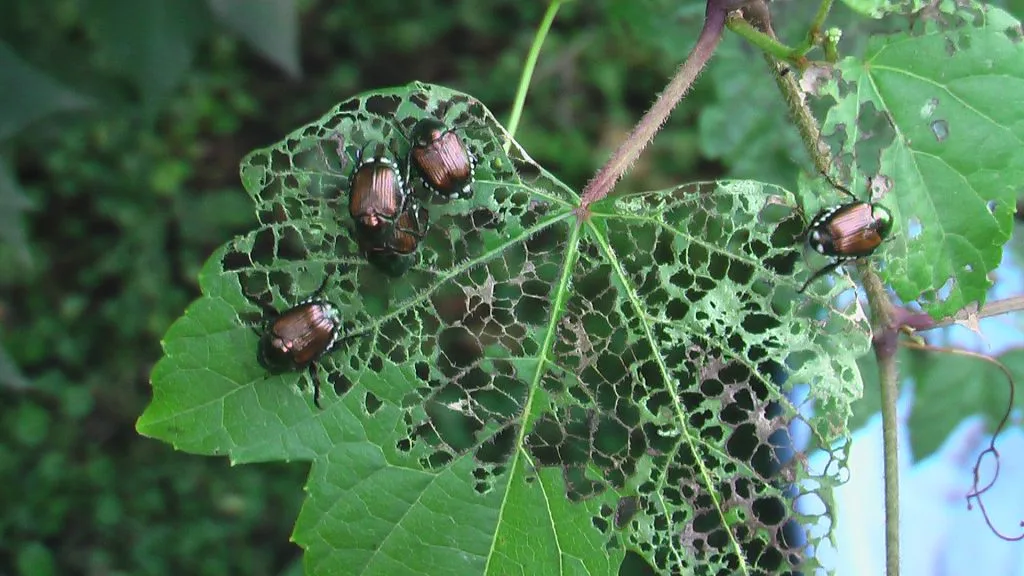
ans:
(956, 159)
(880, 8)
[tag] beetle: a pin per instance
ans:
(390, 250)
(389, 222)
(847, 231)
(404, 235)
(377, 192)
(296, 338)
(446, 165)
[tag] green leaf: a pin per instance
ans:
(29, 95)
(271, 27)
(152, 41)
(31, 424)
(750, 139)
(956, 159)
(655, 23)
(881, 8)
(537, 390)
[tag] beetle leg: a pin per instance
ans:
(420, 225)
(819, 274)
(316, 293)
(316, 385)
(257, 327)
(839, 186)
(401, 129)
(408, 172)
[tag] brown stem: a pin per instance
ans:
(652, 121)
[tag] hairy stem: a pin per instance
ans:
(652, 121)
(819, 18)
(890, 440)
(765, 42)
(799, 112)
(528, 69)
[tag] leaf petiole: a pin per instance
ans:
(528, 68)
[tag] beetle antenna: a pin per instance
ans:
(316, 385)
(838, 186)
(819, 274)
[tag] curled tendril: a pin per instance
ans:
(976, 490)
(976, 493)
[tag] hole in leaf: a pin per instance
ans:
(372, 403)
(498, 449)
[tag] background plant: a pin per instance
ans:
(137, 170)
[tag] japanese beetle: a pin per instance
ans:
(847, 231)
(390, 250)
(377, 192)
(296, 338)
(389, 223)
(445, 164)
(403, 235)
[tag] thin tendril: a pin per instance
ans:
(528, 68)
(976, 491)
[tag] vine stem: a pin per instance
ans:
(528, 69)
(885, 340)
(978, 489)
(655, 117)
(769, 43)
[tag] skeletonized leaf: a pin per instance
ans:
(539, 392)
